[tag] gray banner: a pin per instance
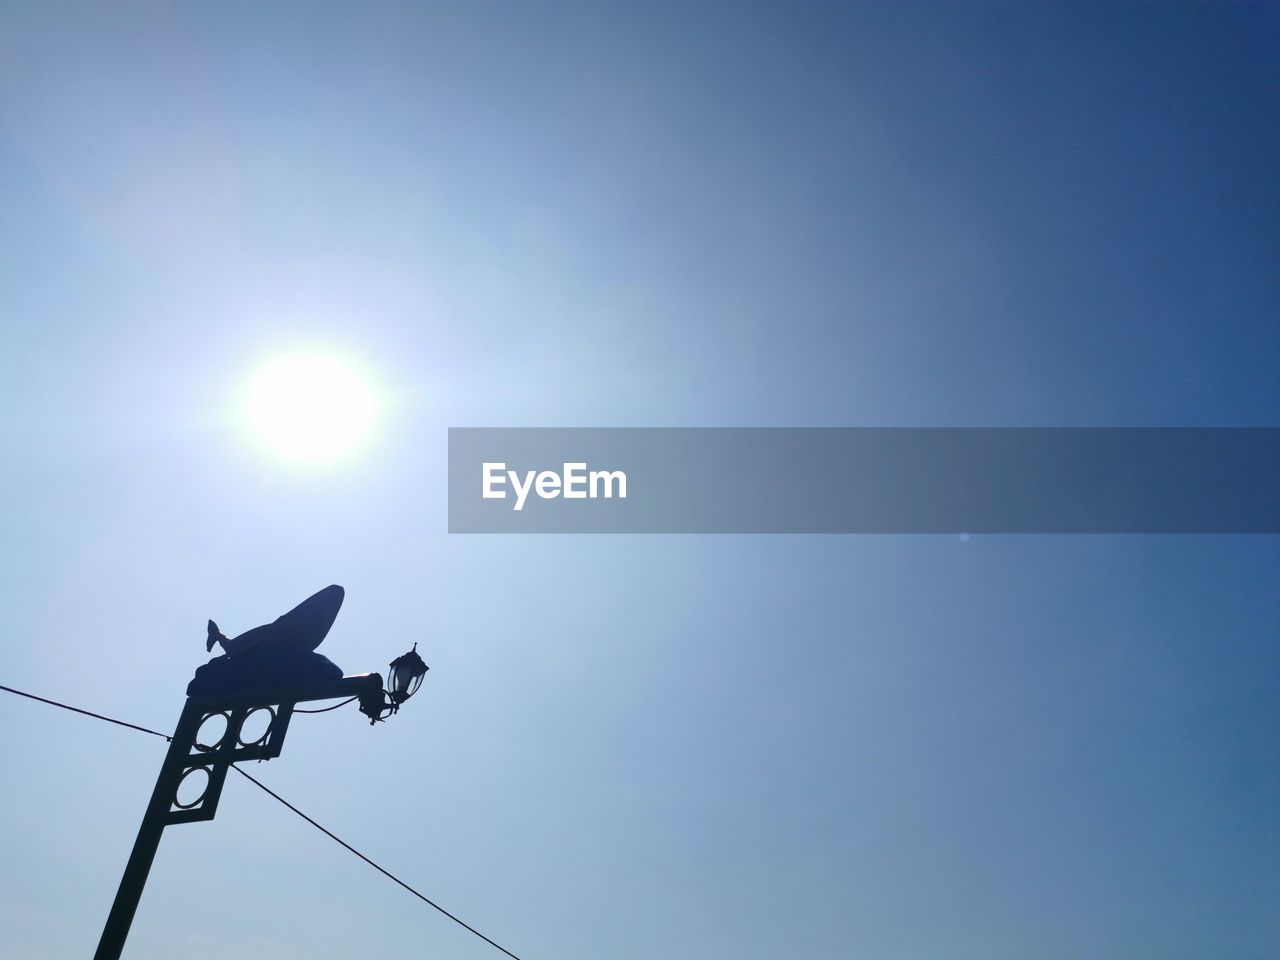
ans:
(864, 480)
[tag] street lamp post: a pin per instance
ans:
(187, 757)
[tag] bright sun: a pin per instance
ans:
(311, 408)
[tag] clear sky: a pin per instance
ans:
(641, 214)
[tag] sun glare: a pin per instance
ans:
(311, 409)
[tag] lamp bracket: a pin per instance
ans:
(188, 757)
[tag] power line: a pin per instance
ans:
(263, 787)
(87, 713)
(386, 873)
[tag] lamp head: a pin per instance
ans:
(405, 675)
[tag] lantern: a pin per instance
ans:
(405, 676)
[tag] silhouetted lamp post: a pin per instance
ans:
(269, 669)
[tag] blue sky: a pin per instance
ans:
(896, 747)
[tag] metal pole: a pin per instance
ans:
(184, 756)
(144, 847)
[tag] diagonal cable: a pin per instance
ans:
(87, 713)
(261, 786)
(386, 873)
